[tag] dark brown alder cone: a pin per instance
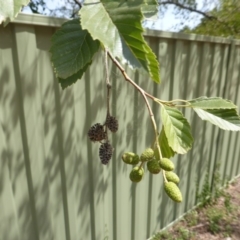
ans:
(112, 124)
(105, 152)
(96, 132)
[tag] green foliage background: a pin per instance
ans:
(225, 21)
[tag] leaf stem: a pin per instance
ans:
(182, 106)
(173, 102)
(178, 100)
(168, 103)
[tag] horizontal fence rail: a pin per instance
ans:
(52, 185)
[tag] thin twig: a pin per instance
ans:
(143, 93)
(150, 96)
(106, 66)
(127, 78)
(107, 82)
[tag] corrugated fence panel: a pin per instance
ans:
(10, 135)
(230, 139)
(52, 185)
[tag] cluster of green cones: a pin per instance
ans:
(154, 165)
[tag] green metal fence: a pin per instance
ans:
(52, 185)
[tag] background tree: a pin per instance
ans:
(187, 11)
(224, 21)
(66, 8)
(182, 9)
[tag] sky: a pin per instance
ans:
(167, 22)
(170, 22)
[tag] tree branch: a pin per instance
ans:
(191, 9)
(78, 3)
(207, 16)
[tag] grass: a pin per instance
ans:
(216, 215)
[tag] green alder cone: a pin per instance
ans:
(166, 164)
(172, 177)
(173, 191)
(153, 166)
(147, 155)
(136, 174)
(130, 158)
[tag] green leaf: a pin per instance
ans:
(226, 119)
(117, 26)
(218, 111)
(72, 49)
(211, 103)
(177, 130)
(72, 79)
(166, 150)
(9, 9)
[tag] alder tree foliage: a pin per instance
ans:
(9, 9)
(118, 33)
